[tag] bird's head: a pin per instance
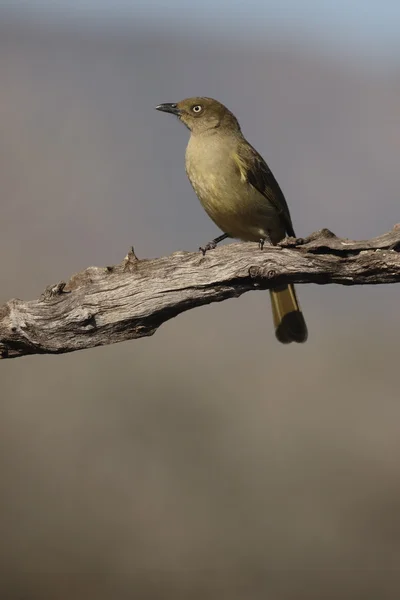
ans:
(201, 114)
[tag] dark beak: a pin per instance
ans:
(169, 108)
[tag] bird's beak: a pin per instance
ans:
(169, 108)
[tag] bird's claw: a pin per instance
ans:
(210, 246)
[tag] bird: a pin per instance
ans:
(239, 193)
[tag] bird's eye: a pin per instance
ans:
(197, 108)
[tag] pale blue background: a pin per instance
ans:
(369, 26)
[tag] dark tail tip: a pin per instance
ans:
(292, 328)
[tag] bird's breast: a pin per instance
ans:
(211, 170)
(232, 203)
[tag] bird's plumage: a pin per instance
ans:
(239, 192)
(260, 176)
(222, 185)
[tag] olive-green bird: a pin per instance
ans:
(239, 193)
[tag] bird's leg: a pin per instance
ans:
(213, 244)
(261, 243)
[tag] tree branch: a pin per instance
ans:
(102, 306)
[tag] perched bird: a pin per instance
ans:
(239, 193)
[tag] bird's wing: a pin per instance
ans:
(256, 172)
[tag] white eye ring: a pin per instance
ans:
(197, 108)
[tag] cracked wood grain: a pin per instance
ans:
(106, 305)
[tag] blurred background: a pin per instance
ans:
(207, 461)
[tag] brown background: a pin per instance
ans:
(207, 461)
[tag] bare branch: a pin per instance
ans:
(105, 305)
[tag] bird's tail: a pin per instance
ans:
(289, 322)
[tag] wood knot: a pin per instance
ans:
(290, 242)
(53, 290)
(89, 320)
(83, 317)
(327, 233)
(254, 272)
(130, 260)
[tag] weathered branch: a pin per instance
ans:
(102, 306)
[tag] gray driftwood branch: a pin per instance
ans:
(105, 305)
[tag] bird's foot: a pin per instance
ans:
(210, 246)
(213, 244)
